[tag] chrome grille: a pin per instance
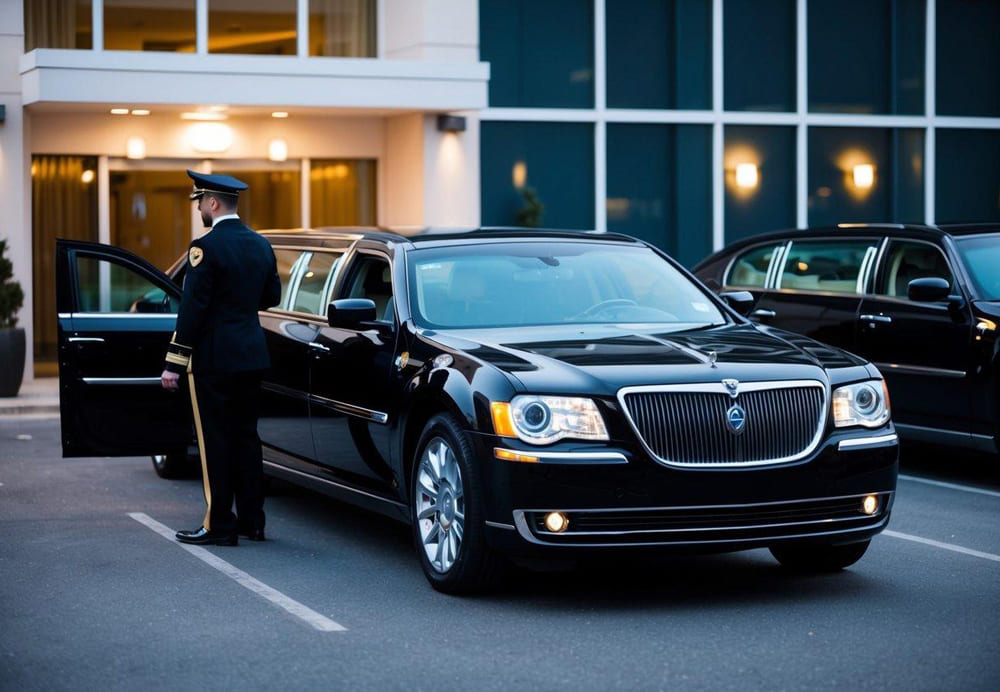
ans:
(686, 425)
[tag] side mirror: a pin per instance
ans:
(350, 313)
(929, 289)
(740, 301)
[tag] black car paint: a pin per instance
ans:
(951, 392)
(369, 460)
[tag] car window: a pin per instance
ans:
(982, 257)
(371, 278)
(905, 261)
(106, 286)
(750, 268)
(825, 265)
(289, 261)
(314, 280)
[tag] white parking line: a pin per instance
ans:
(944, 546)
(952, 486)
(304, 613)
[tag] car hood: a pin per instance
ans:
(605, 358)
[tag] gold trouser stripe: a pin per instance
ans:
(201, 451)
(176, 359)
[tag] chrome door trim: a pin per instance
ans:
(117, 315)
(85, 339)
(103, 381)
(350, 409)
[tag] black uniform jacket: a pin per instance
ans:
(231, 274)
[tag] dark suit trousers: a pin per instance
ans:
(226, 407)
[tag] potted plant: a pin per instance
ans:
(11, 337)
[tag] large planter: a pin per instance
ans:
(11, 361)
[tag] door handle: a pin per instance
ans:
(763, 312)
(319, 347)
(86, 339)
(883, 319)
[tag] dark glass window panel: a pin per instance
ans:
(66, 24)
(660, 187)
(249, 27)
(342, 192)
(273, 200)
(866, 56)
(659, 54)
(553, 161)
(825, 265)
(905, 261)
(150, 213)
(770, 203)
(967, 179)
(137, 25)
(837, 187)
(314, 284)
(968, 57)
(759, 53)
(342, 28)
(750, 269)
(541, 52)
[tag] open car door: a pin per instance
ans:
(116, 314)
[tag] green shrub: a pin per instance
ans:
(11, 295)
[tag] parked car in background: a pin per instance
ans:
(536, 395)
(920, 302)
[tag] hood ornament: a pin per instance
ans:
(712, 357)
(732, 386)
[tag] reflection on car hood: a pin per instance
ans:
(583, 357)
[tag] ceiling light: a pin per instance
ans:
(218, 109)
(279, 114)
(211, 138)
(135, 148)
(197, 115)
(140, 111)
(87, 176)
(277, 150)
(119, 111)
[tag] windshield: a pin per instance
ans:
(981, 254)
(535, 283)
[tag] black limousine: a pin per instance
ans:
(921, 302)
(511, 395)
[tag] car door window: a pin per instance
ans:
(289, 261)
(313, 284)
(371, 278)
(105, 287)
(750, 269)
(907, 260)
(825, 265)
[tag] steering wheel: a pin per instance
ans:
(605, 304)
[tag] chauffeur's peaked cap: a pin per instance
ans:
(218, 184)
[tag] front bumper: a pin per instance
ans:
(617, 497)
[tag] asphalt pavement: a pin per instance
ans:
(92, 597)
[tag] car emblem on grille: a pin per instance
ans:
(737, 419)
(732, 386)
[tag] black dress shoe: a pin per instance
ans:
(253, 534)
(204, 537)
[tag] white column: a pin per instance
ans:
(302, 29)
(306, 190)
(97, 22)
(718, 133)
(600, 125)
(930, 110)
(801, 108)
(201, 27)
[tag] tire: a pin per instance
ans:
(171, 466)
(447, 505)
(818, 557)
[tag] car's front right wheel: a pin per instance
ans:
(447, 512)
(818, 557)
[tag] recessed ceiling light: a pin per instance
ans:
(279, 114)
(218, 109)
(119, 111)
(192, 115)
(140, 111)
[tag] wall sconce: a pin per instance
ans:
(135, 148)
(519, 174)
(747, 176)
(864, 176)
(450, 123)
(277, 150)
(87, 177)
(211, 138)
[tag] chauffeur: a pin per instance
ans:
(219, 343)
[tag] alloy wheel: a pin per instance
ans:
(440, 505)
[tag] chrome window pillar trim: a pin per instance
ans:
(869, 442)
(350, 409)
(780, 265)
(866, 263)
(904, 369)
(607, 457)
(103, 381)
(719, 388)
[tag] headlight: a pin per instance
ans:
(542, 420)
(864, 403)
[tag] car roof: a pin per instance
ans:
(899, 230)
(435, 237)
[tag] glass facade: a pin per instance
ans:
(759, 55)
(150, 213)
(537, 174)
(67, 24)
(968, 176)
(968, 52)
(659, 54)
(167, 25)
(342, 193)
(541, 52)
(759, 165)
(251, 27)
(342, 28)
(865, 175)
(660, 186)
(274, 198)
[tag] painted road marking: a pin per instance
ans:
(944, 546)
(953, 486)
(304, 613)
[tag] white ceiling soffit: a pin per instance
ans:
(68, 76)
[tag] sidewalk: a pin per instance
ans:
(38, 397)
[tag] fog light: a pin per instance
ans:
(870, 504)
(556, 522)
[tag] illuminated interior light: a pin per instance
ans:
(140, 111)
(864, 176)
(802, 266)
(119, 111)
(212, 138)
(503, 422)
(87, 177)
(519, 174)
(135, 148)
(279, 114)
(747, 176)
(218, 109)
(277, 150)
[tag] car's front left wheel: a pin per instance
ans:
(447, 512)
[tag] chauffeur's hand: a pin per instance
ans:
(169, 380)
